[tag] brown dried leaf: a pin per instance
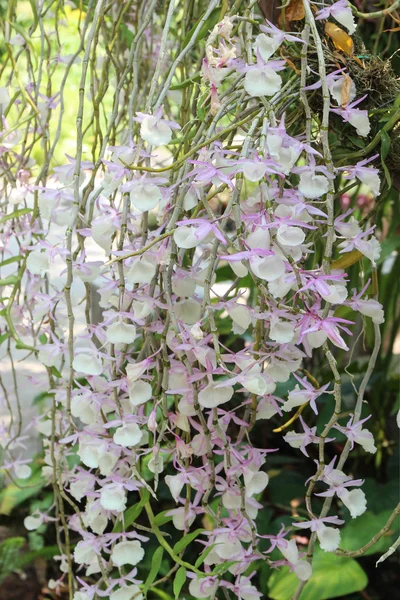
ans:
(293, 12)
(346, 87)
(291, 64)
(340, 38)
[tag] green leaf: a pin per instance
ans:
(203, 556)
(4, 337)
(287, 486)
(55, 372)
(186, 540)
(43, 338)
(333, 576)
(179, 580)
(385, 144)
(132, 513)
(14, 495)
(10, 260)
(16, 214)
(385, 147)
(9, 550)
(361, 530)
(223, 567)
(162, 518)
(186, 83)
(47, 552)
(11, 280)
(209, 24)
(381, 497)
(155, 567)
(35, 16)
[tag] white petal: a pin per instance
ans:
(145, 197)
(127, 553)
(254, 171)
(360, 121)
(240, 315)
(255, 482)
(198, 588)
(184, 237)
(255, 384)
(87, 364)
(268, 267)
(346, 18)
(371, 179)
(329, 538)
(183, 285)
(313, 186)
(175, 484)
(262, 82)
(142, 271)
(129, 434)
(121, 333)
(189, 311)
(303, 570)
(259, 238)
(316, 338)
(22, 471)
(337, 294)
(37, 262)
(211, 396)
(355, 501)
(31, 523)
(290, 236)
(266, 45)
(227, 547)
(282, 332)
(155, 133)
(113, 497)
(127, 593)
(290, 551)
(336, 88)
(139, 392)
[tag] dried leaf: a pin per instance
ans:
(346, 87)
(346, 260)
(291, 65)
(293, 12)
(340, 38)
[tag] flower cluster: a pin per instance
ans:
(146, 390)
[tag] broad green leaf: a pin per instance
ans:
(155, 567)
(14, 495)
(10, 260)
(333, 576)
(28, 557)
(381, 497)
(9, 550)
(132, 513)
(186, 540)
(16, 214)
(287, 486)
(179, 581)
(361, 530)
